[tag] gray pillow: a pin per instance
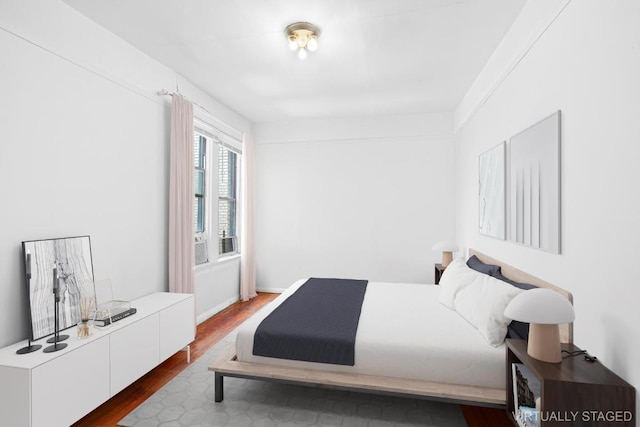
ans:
(474, 263)
(525, 286)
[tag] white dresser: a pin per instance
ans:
(56, 389)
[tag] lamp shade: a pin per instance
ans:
(445, 246)
(541, 306)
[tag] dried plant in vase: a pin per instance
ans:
(87, 305)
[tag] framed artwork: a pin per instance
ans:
(71, 257)
(491, 208)
(534, 185)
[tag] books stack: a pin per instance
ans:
(114, 317)
(526, 396)
(112, 311)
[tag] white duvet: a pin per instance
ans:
(403, 333)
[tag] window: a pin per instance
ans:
(227, 194)
(216, 164)
(199, 157)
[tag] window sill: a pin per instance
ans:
(211, 265)
(227, 258)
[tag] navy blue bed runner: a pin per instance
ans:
(317, 323)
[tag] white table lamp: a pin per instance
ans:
(543, 309)
(447, 248)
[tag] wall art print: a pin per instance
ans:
(491, 208)
(534, 185)
(72, 257)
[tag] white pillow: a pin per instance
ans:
(455, 277)
(483, 302)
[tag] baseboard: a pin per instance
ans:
(271, 290)
(217, 309)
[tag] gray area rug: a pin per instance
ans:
(187, 400)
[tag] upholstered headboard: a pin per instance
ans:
(566, 329)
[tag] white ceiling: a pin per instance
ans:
(375, 57)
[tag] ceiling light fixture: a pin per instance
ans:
(302, 36)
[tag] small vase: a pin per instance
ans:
(84, 329)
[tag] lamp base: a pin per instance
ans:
(29, 349)
(544, 343)
(447, 257)
(57, 339)
(56, 347)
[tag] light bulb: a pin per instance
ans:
(293, 45)
(302, 39)
(302, 54)
(312, 45)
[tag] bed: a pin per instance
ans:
(408, 344)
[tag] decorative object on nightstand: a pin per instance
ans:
(544, 309)
(577, 391)
(439, 269)
(447, 248)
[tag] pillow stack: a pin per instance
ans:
(479, 298)
(516, 329)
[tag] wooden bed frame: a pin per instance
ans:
(229, 366)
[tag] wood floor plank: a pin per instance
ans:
(208, 334)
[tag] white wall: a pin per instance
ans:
(361, 198)
(585, 63)
(84, 150)
(217, 287)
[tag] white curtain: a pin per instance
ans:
(181, 197)
(247, 245)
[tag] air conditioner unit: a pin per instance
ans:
(227, 244)
(202, 251)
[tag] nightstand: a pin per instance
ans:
(439, 269)
(574, 391)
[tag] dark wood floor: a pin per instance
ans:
(208, 334)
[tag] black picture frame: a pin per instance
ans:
(74, 265)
